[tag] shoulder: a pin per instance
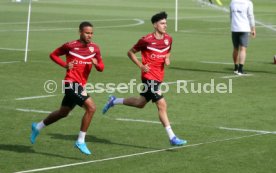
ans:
(92, 44)
(71, 43)
(168, 37)
(74, 42)
(147, 37)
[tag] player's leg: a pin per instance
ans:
(138, 102)
(51, 118)
(90, 109)
(162, 111)
(242, 51)
(235, 54)
(242, 57)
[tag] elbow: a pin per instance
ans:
(51, 56)
(100, 68)
(129, 54)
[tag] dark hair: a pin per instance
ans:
(84, 24)
(158, 16)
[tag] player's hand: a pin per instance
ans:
(70, 65)
(167, 61)
(253, 34)
(145, 68)
(95, 61)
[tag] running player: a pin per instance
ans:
(155, 49)
(81, 55)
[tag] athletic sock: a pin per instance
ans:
(170, 132)
(118, 101)
(236, 67)
(81, 137)
(240, 68)
(40, 125)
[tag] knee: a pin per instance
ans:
(91, 109)
(140, 105)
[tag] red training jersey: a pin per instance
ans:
(154, 52)
(81, 55)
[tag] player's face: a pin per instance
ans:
(161, 26)
(86, 34)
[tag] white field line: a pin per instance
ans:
(33, 110)
(34, 97)
(235, 76)
(9, 62)
(12, 49)
(248, 130)
(136, 120)
(169, 83)
(138, 22)
(210, 62)
(227, 11)
(136, 154)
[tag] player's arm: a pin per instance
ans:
(131, 54)
(98, 63)
(167, 59)
(55, 56)
(250, 14)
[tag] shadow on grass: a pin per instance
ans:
(91, 138)
(29, 149)
(199, 70)
(223, 70)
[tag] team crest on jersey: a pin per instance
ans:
(91, 49)
(166, 42)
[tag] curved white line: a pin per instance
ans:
(138, 22)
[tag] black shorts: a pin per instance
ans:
(74, 95)
(151, 90)
(240, 39)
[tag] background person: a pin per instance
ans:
(242, 23)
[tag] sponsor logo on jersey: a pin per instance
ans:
(76, 62)
(157, 56)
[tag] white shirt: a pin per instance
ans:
(241, 15)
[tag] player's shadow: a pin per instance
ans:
(253, 71)
(94, 139)
(199, 70)
(223, 70)
(29, 149)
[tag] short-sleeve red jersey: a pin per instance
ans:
(81, 55)
(154, 52)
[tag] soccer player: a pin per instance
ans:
(155, 50)
(81, 55)
(242, 23)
